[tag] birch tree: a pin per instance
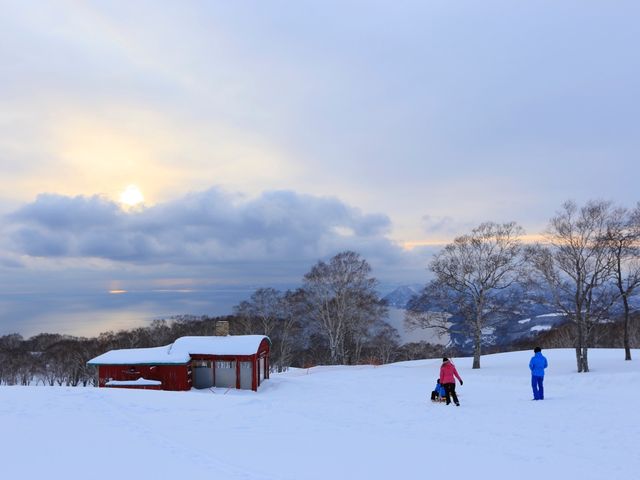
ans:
(262, 312)
(623, 236)
(294, 310)
(576, 263)
(385, 342)
(473, 276)
(341, 296)
(276, 315)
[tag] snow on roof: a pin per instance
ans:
(140, 381)
(181, 350)
(132, 356)
(229, 345)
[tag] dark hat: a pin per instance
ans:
(537, 349)
(445, 359)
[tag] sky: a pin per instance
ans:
(265, 136)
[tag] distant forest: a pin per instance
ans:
(336, 317)
(52, 359)
(587, 269)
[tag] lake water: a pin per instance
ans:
(396, 319)
(90, 314)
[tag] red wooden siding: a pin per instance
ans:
(137, 387)
(173, 377)
(178, 377)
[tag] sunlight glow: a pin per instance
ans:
(410, 245)
(131, 196)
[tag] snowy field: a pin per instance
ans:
(339, 423)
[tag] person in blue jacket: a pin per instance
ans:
(537, 364)
(438, 391)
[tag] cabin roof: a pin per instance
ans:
(180, 351)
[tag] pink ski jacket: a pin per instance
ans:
(447, 372)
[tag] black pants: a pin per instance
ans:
(450, 389)
(434, 395)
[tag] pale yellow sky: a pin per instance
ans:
(269, 137)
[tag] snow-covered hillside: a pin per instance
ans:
(339, 423)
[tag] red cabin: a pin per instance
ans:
(234, 361)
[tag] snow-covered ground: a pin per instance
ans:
(339, 423)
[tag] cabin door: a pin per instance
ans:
(202, 374)
(246, 375)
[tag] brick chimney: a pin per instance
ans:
(222, 328)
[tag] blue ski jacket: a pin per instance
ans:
(440, 390)
(537, 365)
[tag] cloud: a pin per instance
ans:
(10, 262)
(198, 254)
(208, 226)
(262, 98)
(437, 224)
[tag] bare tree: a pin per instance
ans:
(293, 310)
(419, 350)
(341, 296)
(68, 359)
(262, 312)
(12, 358)
(385, 342)
(276, 315)
(473, 276)
(159, 332)
(623, 236)
(576, 262)
(365, 324)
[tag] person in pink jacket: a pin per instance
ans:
(448, 375)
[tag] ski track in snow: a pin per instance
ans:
(340, 423)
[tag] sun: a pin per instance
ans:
(131, 196)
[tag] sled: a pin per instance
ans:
(443, 399)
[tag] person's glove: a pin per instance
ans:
(461, 383)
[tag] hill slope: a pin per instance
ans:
(339, 422)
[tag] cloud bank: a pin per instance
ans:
(199, 228)
(60, 256)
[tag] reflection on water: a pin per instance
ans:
(90, 314)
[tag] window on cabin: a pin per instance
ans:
(202, 363)
(221, 364)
